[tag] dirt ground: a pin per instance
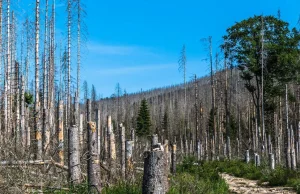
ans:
(241, 185)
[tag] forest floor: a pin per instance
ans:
(241, 185)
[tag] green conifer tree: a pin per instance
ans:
(143, 122)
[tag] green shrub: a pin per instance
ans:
(124, 188)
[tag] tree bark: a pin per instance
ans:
(173, 159)
(122, 140)
(38, 134)
(98, 127)
(22, 124)
(129, 160)
(93, 167)
(154, 176)
(60, 132)
(74, 156)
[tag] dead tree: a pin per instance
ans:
(74, 156)
(22, 123)
(173, 159)
(129, 160)
(68, 113)
(288, 132)
(122, 140)
(154, 173)
(81, 136)
(111, 148)
(98, 127)
(60, 132)
(93, 167)
(38, 134)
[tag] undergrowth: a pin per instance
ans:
(203, 178)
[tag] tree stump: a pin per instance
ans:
(74, 159)
(154, 172)
(93, 167)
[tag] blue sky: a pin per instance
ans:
(137, 42)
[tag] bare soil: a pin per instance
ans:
(241, 185)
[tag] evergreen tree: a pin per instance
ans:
(143, 122)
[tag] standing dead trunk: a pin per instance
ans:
(247, 156)
(154, 140)
(74, 156)
(173, 159)
(271, 161)
(167, 163)
(98, 127)
(28, 139)
(129, 160)
(154, 176)
(22, 124)
(293, 154)
(257, 159)
(81, 137)
(46, 132)
(93, 167)
(122, 140)
(60, 132)
(288, 134)
(88, 110)
(68, 111)
(111, 148)
(78, 54)
(38, 134)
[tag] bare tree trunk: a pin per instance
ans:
(38, 134)
(247, 156)
(69, 65)
(45, 95)
(61, 132)
(88, 111)
(129, 160)
(81, 130)
(28, 139)
(74, 160)
(293, 155)
(46, 131)
(271, 161)
(122, 140)
(154, 176)
(173, 159)
(288, 134)
(154, 140)
(93, 167)
(22, 124)
(257, 159)
(78, 54)
(2, 66)
(111, 149)
(98, 127)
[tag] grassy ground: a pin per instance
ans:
(189, 179)
(204, 178)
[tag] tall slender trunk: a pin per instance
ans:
(60, 132)
(78, 52)
(212, 96)
(38, 134)
(288, 134)
(7, 102)
(69, 65)
(45, 62)
(22, 124)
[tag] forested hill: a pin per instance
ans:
(168, 111)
